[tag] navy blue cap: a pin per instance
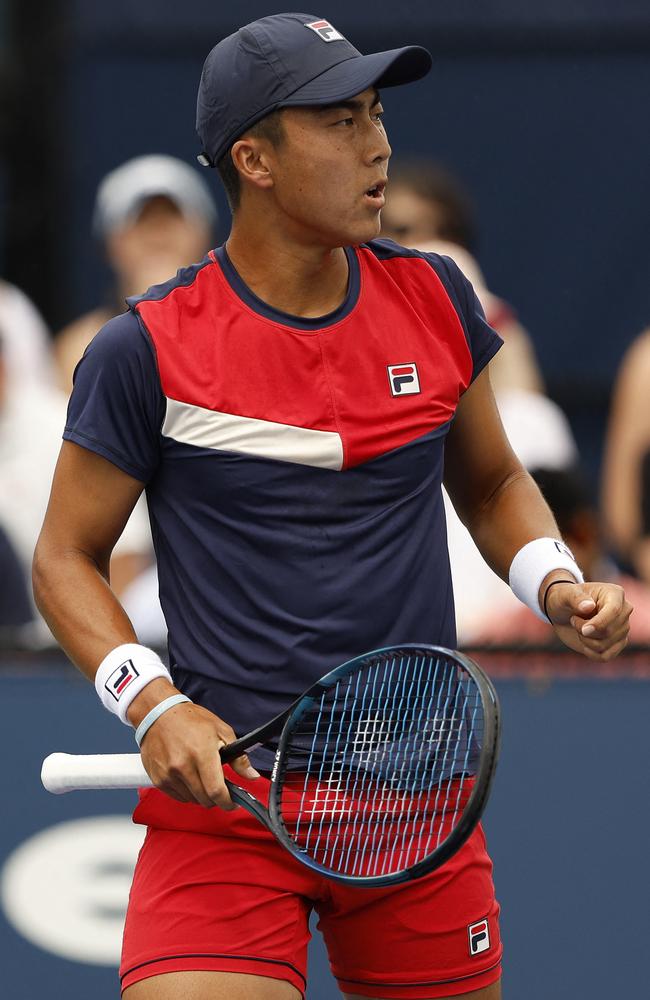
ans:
(288, 60)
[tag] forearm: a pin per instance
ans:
(499, 502)
(72, 591)
(514, 514)
(502, 507)
(73, 595)
(181, 750)
(87, 620)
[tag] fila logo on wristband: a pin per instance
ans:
(123, 673)
(479, 937)
(120, 679)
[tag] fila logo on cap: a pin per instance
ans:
(403, 379)
(325, 31)
(479, 937)
(120, 679)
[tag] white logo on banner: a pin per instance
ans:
(66, 888)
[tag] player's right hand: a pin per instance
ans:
(180, 751)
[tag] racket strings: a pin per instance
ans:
(380, 767)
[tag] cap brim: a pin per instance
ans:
(354, 75)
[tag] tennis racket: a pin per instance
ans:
(382, 768)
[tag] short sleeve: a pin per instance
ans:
(483, 341)
(117, 406)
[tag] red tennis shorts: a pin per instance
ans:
(214, 891)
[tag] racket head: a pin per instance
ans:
(408, 732)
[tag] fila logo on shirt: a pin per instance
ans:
(120, 679)
(479, 937)
(403, 379)
(325, 31)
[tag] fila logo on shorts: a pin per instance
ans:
(479, 937)
(403, 379)
(120, 679)
(325, 31)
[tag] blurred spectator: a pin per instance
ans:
(141, 602)
(27, 345)
(32, 417)
(578, 520)
(626, 476)
(16, 610)
(427, 208)
(425, 202)
(153, 215)
(32, 412)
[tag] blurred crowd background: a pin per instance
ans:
(524, 155)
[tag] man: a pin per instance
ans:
(427, 202)
(27, 342)
(152, 215)
(286, 403)
(32, 413)
(16, 611)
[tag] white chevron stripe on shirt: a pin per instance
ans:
(205, 428)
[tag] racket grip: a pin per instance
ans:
(66, 772)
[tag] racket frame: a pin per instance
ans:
(283, 726)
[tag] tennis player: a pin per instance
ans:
(286, 403)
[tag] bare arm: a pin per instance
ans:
(90, 503)
(628, 438)
(503, 509)
(515, 366)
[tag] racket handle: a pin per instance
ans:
(66, 772)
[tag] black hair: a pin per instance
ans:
(269, 127)
(435, 183)
(566, 492)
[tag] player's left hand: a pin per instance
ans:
(592, 618)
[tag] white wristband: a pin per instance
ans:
(533, 563)
(123, 673)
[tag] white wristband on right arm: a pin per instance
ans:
(533, 563)
(123, 673)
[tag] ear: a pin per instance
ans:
(253, 162)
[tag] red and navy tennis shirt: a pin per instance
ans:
(292, 466)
